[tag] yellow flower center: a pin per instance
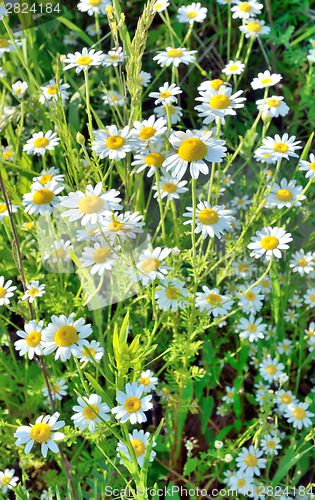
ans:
(155, 160)
(52, 90)
(241, 483)
(252, 328)
(302, 262)
(169, 187)
(284, 195)
(115, 142)
(233, 67)
(269, 242)
(230, 395)
(256, 27)
(146, 133)
(172, 293)
(265, 284)
(2, 292)
(243, 268)
(280, 147)
(251, 460)
(101, 255)
(271, 369)
(220, 101)
(95, 3)
(170, 108)
(18, 91)
(6, 480)
(113, 58)
(91, 204)
(114, 98)
(192, 149)
(165, 94)
(114, 226)
(56, 388)
(66, 335)
(92, 232)
(191, 14)
(7, 154)
(216, 83)
(44, 179)
(144, 381)
(312, 166)
(91, 413)
(299, 413)
(149, 265)
(174, 53)
(84, 61)
(41, 142)
(271, 445)
(312, 297)
(33, 339)
(91, 351)
(157, 6)
(250, 296)
(245, 7)
(208, 217)
(4, 44)
(3, 208)
(214, 299)
(41, 433)
(32, 292)
(132, 405)
(138, 446)
(43, 197)
(273, 103)
(60, 253)
(166, 391)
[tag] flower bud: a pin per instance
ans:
(80, 138)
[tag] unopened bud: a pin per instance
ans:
(228, 458)
(63, 57)
(266, 116)
(175, 252)
(80, 139)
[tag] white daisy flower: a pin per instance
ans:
(216, 104)
(215, 84)
(65, 336)
(234, 68)
(8, 46)
(93, 6)
(222, 411)
(174, 56)
(227, 180)
(265, 79)
(265, 158)
(114, 57)
(91, 411)
(7, 478)
(148, 381)
(150, 266)
(145, 78)
(243, 269)
(39, 143)
(271, 445)
(149, 130)
(58, 389)
(210, 221)
(160, 5)
(164, 393)
(242, 482)
(290, 316)
(249, 461)
(308, 166)
(298, 415)
(42, 199)
(52, 91)
(43, 432)
(269, 241)
(59, 252)
(241, 202)
(251, 329)
(91, 206)
(91, 233)
(28, 226)
(284, 347)
(196, 150)
(34, 290)
(152, 157)
(275, 105)
(301, 262)
(170, 187)
(52, 174)
(229, 396)
(7, 153)
(280, 147)
(6, 291)
(284, 399)
(213, 302)
(125, 225)
(175, 112)
(3, 74)
(167, 94)
(270, 369)
(311, 55)
(113, 143)
(100, 257)
(113, 98)
(132, 404)
(94, 348)
(139, 441)
(245, 10)
(170, 295)
(31, 337)
(191, 13)
(309, 297)
(310, 330)
(252, 301)
(82, 61)
(4, 211)
(296, 300)
(92, 29)
(47, 494)
(19, 88)
(254, 28)
(71, 38)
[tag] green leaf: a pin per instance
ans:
(76, 28)
(191, 465)
(206, 405)
(99, 389)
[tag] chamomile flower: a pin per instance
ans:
(148, 381)
(52, 174)
(284, 399)
(30, 342)
(34, 291)
(52, 92)
(132, 404)
(65, 336)
(285, 346)
(296, 300)
(301, 262)
(94, 348)
(167, 94)
(90, 233)
(93, 6)
(265, 285)
(113, 98)
(242, 482)
(175, 112)
(100, 258)
(6, 291)
(254, 28)
(123, 225)
(227, 180)
(91, 30)
(28, 226)
(193, 150)
(212, 85)
(251, 329)
(113, 143)
(7, 153)
(41, 142)
(311, 55)
(298, 415)
(8, 46)
(91, 206)
(4, 211)
(270, 369)
(42, 199)
(275, 105)
(268, 242)
(19, 88)
(43, 432)
(7, 478)
(160, 5)
(210, 221)
(170, 187)
(151, 265)
(290, 316)
(250, 461)
(174, 56)
(82, 61)
(47, 494)
(309, 297)
(308, 166)
(265, 79)
(191, 13)
(59, 252)
(145, 78)
(240, 202)
(216, 104)
(152, 157)
(71, 38)
(58, 389)
(213, 302)
(90, 412)
(171, 295)
(139, 441)
(265, 158)
(149, 130)
(285, 195)
(113, 57)
(243, 268)
(234, 68)
(245, 10)
(270, 444)
(310, 330)
(280, 147)
(229, 396)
